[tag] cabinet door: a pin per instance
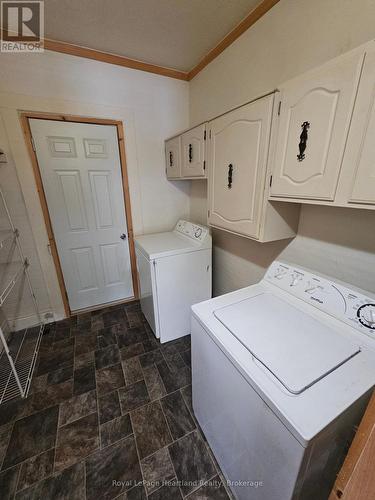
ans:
(193, 152)
(237, 161)
(173, 157)
(359, 161)
(315, 115)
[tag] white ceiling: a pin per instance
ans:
(171, 33)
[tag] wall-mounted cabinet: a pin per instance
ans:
(173, 158)
(185, 155)
(193, 152)
(325, 147)
(357, 179)
(315, 112)
(238, 151)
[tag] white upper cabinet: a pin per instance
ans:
(193, 152)
(173, 158)
(238, 154)
(357, 182)
(315, 114)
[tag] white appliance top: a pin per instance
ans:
(186, 237)
(311, 348)
(304, 342)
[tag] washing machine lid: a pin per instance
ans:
(159, 245)
(296, 348)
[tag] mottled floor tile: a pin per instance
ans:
(131, 351)
(54, 360)
(60, 375)
(118, 462)
(177, 414)
(132, 370)
(8, 483)
(77, 407)
(174, 380)
(166, 492)
(133, 396)
(107, 357)
(186, 356)
(107, 336)
(114, 316)
(38, 384)
(109, 379)
(109, 407)
(36, 468)
(32, 435)
(150, 358)
(51, 396)
(136, 493)
(86, 359)
(76, 441)
(97, 322)
(150, 429)
(115, 429)
(175, 362)
(212, 490)
(67, 485)
(11, 410)
(188, 397)
(157, 469)
(154, 382)
(86, 343)
(84, 379)
(151, 345)
(132, 336)
(191, 461)
(5, 432)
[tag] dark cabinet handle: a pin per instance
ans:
(170, 159)
(190, 153)
(230, 175)
(303, 141)
(123, 236)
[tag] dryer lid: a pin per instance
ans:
(295, 347)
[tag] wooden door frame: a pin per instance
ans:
(25, 117)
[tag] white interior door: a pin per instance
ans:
(81, 174)
(315, 114)
(238, 153)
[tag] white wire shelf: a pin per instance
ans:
(23, 349)
(9, 275)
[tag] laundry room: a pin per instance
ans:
(187, 249)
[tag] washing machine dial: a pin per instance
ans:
(366, 315)
(198, 232)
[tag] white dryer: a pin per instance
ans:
(174, 273)
(282, 372)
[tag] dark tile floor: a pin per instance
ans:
(109, 415)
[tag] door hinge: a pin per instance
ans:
(33, 144)
(271, 181)
(279, 109)
(208, 213)
(204, 164)
(204, 135)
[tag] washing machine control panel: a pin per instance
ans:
(345, 304)
(194, 231)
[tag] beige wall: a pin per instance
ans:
(151, 107)
(291, 38)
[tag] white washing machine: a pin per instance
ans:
(174, 273)
(282, 372)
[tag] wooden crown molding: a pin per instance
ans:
(76, 50)
(97, 55)
(244, 25)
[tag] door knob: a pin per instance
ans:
(123, 236)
